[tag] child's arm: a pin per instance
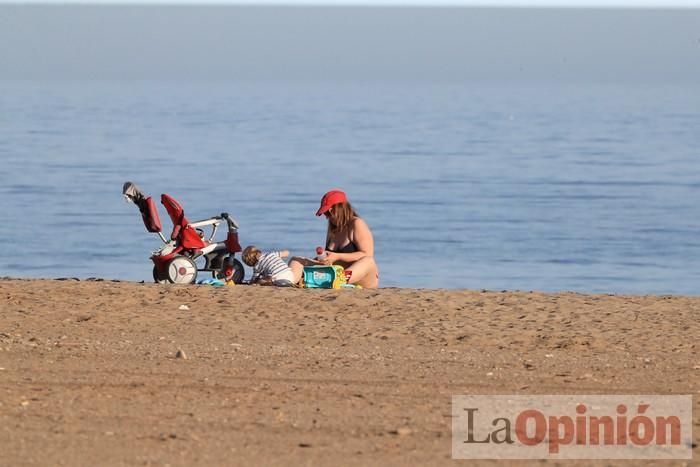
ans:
(257, 273)
(282, 253)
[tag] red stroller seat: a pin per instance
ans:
(183, 232)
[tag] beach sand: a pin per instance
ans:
(90, 372)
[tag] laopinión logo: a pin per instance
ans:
(572, 427)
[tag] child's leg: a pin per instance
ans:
(283, 279)
(297, 263)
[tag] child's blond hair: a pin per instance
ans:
(251, 255)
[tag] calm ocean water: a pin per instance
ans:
(588, 188)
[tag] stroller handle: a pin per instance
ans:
(232, 224)
(214, 222)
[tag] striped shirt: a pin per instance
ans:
(270, 265)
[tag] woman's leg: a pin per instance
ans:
(364, 273)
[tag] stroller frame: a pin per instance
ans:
(175, 261)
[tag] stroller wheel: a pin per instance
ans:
(181, 270)
(158, 277)
(238, 271)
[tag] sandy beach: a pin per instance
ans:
(118, 373)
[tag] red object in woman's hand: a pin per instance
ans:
(321, 254)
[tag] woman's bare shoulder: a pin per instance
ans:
(360, 223)
(359, 226)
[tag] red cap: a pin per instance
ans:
(330, 199)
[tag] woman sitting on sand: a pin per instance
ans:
(349, 242)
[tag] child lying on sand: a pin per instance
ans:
(268, 268)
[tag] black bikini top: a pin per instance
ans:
(350, 247)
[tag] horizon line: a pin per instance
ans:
(597, 4)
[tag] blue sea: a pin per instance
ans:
(589, 188)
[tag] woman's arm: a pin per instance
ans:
(362, 237)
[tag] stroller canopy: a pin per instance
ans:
(149, 211)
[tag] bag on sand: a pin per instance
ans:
(324, 277)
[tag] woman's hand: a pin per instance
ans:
(331, 258)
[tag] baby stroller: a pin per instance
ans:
(174, 262)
